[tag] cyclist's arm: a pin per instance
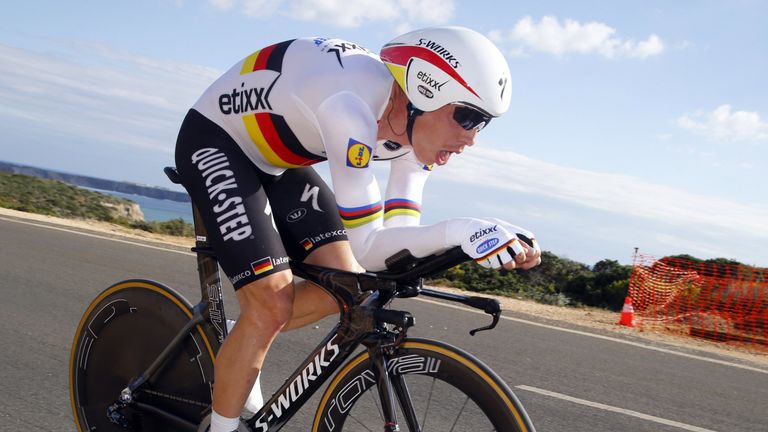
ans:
(346, 120)
(402, 205)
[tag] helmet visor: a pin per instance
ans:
(470, 118)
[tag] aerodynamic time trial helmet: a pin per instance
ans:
(437, 66)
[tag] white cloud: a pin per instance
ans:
(223, 4)
(726, 125)
(709, 216)
(345, 13)
(553, 37)
(259, 8)
(115, 97)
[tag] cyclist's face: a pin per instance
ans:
(437, 136)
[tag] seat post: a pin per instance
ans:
(210, 277)
(207, 268)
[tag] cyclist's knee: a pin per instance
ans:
(267, 303)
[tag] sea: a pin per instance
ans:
(155, 209)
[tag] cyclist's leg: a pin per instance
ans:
(313, 303)
(228, 191)
(308, 220)
(265, 307)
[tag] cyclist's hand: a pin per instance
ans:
(491, 245)
(532, 256)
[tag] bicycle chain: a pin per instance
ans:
(175, 398)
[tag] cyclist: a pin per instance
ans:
(244, 151)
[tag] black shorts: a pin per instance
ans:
(255, 221)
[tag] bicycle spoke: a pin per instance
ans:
(464, 405)
(429, 402)
(360, 423)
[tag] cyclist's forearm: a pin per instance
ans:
(373, 247)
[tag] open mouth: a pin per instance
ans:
(443, 156)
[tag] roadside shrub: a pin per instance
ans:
(174, 227)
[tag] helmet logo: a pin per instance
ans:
(441, 51)
(503, 84)
(431, 82)
(425, 91)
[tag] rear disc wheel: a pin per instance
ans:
(122, 332)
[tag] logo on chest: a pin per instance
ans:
(358, 154)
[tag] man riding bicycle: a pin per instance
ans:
(244, 151)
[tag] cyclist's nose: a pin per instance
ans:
(470, 138)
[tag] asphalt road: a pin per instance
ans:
(569, 379)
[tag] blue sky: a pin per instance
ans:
(632, 124)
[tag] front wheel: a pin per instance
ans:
(438, 387)
(121, 333)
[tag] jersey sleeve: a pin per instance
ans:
(402, 205)
(348, 128)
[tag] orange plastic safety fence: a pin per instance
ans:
(717, 300)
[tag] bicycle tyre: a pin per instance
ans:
(119, 336)
(451, 375)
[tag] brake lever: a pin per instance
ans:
(488, 305)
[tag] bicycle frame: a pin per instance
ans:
(360, 297)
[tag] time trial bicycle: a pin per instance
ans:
(142, 357)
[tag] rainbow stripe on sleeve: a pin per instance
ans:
(401, 207)
(353, 217)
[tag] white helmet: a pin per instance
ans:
(437, 66)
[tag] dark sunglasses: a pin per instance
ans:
(470, 118)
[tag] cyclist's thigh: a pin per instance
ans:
(227, 190)
(305, 211)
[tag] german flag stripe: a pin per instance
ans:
(275, 140)
(261, 61)
(307, 244)
(292, 144)
(269, 132)
(270, 58)
(353, 217)
(275, 61)
(254, 129)
(249, 62)
(262, 265)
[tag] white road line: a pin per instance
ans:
(98, 236)
(608, 338)
(614, 409)
(519, 320)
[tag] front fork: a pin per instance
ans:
(391, 384)
(384, 385)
